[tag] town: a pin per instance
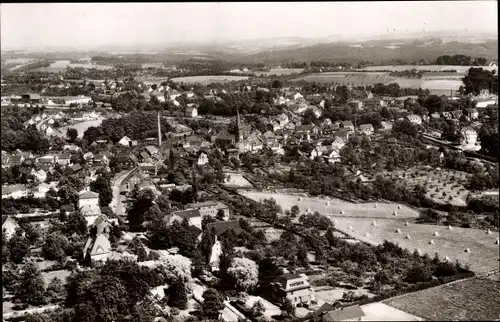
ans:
(201, 190)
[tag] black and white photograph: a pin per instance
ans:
(250, 161)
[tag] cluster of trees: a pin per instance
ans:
(460, 60)
(16, 136)
(478, 79)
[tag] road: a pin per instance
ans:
(117, 202)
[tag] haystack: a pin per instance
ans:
(407, 224)
(497, 241)
(431, 242)
(436, 234)
(335, 221)
(467, 250)
(374, 223)
(308, 209)
(407, 237)
(375, 206)
(398, 230)
(367, 234)
(342, 212)
(399, 206)
(488, 232)
(327, 203)
(449, 227)
(350, 228)
(419, 251)
(446, 259)
(395, 213)
(300, 199)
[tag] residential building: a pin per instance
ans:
(351, 313)
(97, 250)
(472, 113)
(415, 119)
(9, 226)
(191, 112)
(126, 161)
(386, 126)
(192, 215)
(125, 141)
(88, 203)
(210, 208)
(347, 125)
(64, 159)
(295, 288)
(469, 136)
(366, 129)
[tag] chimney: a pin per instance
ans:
(159, 130)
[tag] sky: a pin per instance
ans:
(88, 25)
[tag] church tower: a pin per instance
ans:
(239, 135)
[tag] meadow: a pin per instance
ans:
(359, 78)
(208, 79)
(279, 71)
(434, 68)
(81, 127)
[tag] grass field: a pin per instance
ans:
(381, 312)
(236, 180)
(483, 255)
(61, 274)
(80, 127)
(434, 68)
(335, 206)
(280, 71)
(208, 79)
(359, 78)
(437, 181)
(474, 299)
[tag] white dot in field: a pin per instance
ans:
(398, 230)
(407, 237)
(407, 224)
(449, 227)
(467, 250)
(436, 234)
(431, 242)
(489, 232)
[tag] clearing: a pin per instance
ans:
(483, 256)
(236, 180)
(473, 299)
(332, 206)
(61, 274)
(208, 79)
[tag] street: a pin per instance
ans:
(116, 203)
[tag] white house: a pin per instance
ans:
(191, 112)
(366, 129)
(192, 215)
(125, 141)
(202, 158)
(9, 226)
(469, 136)
(88, 203)
(415, 119)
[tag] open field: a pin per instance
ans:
(473, 299)
(335, 206)
(80, 127)
(236, 180)
(61, 65)
(61, 274)
(434, 68)
(381, 312)
(359, 78)
(336, 294)
(279, 71)
(441, 184)
(208, 79)
(483, 255)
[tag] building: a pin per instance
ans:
(126, 161)
(472, 113)
(9, 226)
(64, 159)
(193, 216)
(191, 112)
(415, 119)
(210, 208)
(366, 129)
(223, 226)
(347, 125)
(88, 203)
(31, 98)
(469, 136)
(125, 141)
(295, 288)
(97, 249)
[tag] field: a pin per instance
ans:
(80, 127)
(236, 180)
(359, 78)
(434, 68)
(483, 255)
(474, 299)
(441, 184)
(335, 206)
(382, 312)
(279, 71)
(208, 79)
(61, 65)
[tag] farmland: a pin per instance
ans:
(332, 206)
(474, 299)
(208, 79)
(443, 185)
(359, 78)
(434, 68)
(279, 71)
(80, 127)
(61, 65)
(483, 255)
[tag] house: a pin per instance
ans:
(435, 116)
(317, 152)
(191, 111)
(338, 143)
(149, 167)
(347, 125)
(343, 134)
(125, 141)
(366, 129)
(414, 119)
(151, 150)
(40, 175)
(97, 249)
(192, 215)
(358, 104)
(72, 148)
(221, 227)
(374, 102)
(331, 156)
(31, 98)
(101, 158)
(64, 159)
(447, 115)
(215, 254)
(351, 313)
(295, 288)
(210, 208)
(16, 160)
(126, 161)
(456, 115)
(472, 113)
(9, 226)
(75, 168)
(88, 203)
(386, 126)
(68, 209)
(469, 136)
(88, 156)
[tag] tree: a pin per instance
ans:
(418, 274)
(19, 248)
(294, 211)
(103, 187)
(206, 244)
(76, 223)
(140, 204)
(5, 249)
(288, 309)
(56, 247)
(31, 288)
(257, 309)
(71, 134)
(302, 255)
(245, 272)
(177, 295)
(55, 292)
(213, 303)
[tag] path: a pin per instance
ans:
(31, 311)
(117, 202)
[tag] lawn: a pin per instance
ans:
(483, 255)
(236, 180)
(441, 184)
(471, 299)
(61, 274)
(332, 206)
(381, 312)
(208, 79)
(434, 68)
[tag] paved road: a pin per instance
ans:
(117, 202)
